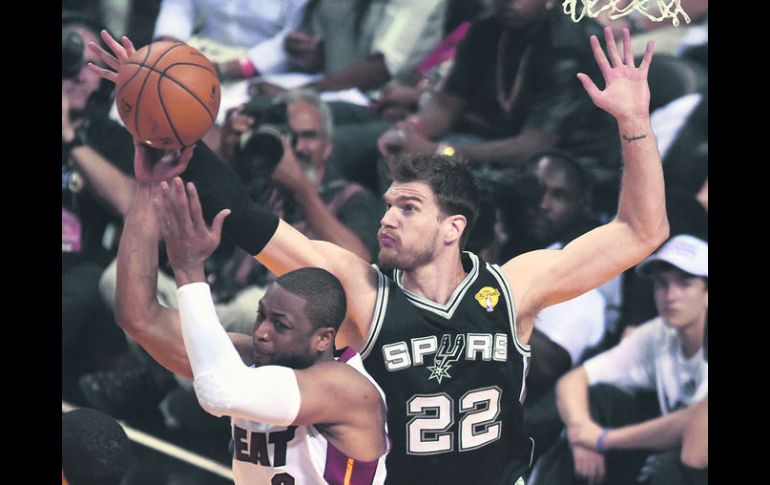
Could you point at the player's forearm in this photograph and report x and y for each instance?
(326, 225)
(663, 433)
(104, 179)
(369, 74)
(642, 202)
(572, 397)
(137, 271)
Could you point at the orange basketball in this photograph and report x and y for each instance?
(167, 94)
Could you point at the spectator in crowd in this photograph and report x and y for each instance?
(244, 39)
(381, 40)
(512, 92)
(611, 433)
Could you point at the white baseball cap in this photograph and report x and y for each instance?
(685, 252)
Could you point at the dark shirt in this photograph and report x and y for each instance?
(114, 143)
(551, 98)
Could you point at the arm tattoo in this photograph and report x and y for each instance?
(629, 139)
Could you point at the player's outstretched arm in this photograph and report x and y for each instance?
(155, 327)
(542, 278)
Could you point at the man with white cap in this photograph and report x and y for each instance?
(612, 433)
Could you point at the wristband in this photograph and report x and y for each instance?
(248, 69)
(600, 440)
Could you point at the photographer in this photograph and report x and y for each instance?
(303, 188)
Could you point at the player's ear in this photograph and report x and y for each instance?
(323, 338)
(455, 225)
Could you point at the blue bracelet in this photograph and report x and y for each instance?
(600, 440)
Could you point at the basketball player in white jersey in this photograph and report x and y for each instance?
(299, 416)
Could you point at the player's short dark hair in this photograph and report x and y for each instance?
(451, 179)
(326, 302)
(95, 449)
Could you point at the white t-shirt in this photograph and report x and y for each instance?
(266, 454)
(651, 358)
(580, 323)
(575, 324)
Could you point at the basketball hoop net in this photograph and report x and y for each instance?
(667, 9)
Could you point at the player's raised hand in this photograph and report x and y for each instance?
(120, 54)
(626, 93)
(189, 241)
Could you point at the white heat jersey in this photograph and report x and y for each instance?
(299, 455)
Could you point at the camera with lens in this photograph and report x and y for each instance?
(72, 47)
(262, 149)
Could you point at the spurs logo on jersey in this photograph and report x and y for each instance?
(444, 357)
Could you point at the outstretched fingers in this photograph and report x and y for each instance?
(628, 51)
(102, 72)
(612, 48)
(589, 86)
(645, 65)
(118, 50)
(196, 211)
(181, 205)
(196, 214)
(104, 56)
(128, 46)
(164, 208)
(601, 59)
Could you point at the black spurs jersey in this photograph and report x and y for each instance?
(453, 377)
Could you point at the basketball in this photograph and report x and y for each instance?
(167, 95)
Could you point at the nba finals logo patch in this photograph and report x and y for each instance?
(488, 297)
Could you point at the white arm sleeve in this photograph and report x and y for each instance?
(223, 383)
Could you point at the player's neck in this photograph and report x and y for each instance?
(438, 279)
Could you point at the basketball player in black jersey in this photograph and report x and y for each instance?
(444, 333)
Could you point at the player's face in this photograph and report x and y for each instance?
(410, 227)
(312, 147)
(681, 299)
(80, 88)
(521, 13)
(558, 208)
(283, 334)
